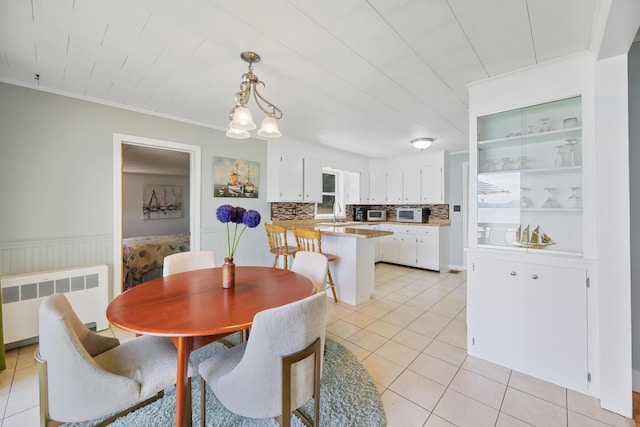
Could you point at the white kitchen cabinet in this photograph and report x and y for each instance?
(297, 179)
(428, 248)
(530, 317)
(365, 186)
(411, 186)
(406, 249)
(312, 180)
(394, 187)
(390, 249)
(291, 180)
(432, 184)
(351, 187)
(377, 187)
(419, 246)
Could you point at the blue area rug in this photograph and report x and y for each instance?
(348, 397)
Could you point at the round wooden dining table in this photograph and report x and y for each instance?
(193, 309)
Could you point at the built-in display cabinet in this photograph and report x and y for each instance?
(530, 177)
(529, 284)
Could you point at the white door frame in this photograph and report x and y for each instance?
(195, 179)
(465, 212)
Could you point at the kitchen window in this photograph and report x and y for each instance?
(332, 197)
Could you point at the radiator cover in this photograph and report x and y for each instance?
(85, 287)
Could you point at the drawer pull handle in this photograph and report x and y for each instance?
(534, 276)
(513, 273)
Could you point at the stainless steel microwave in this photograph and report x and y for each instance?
(376, 215)
(412, 214)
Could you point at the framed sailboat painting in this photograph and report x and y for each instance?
(161, 201)
(235, 178)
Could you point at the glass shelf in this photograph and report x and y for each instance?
(535, 171)
(533, 138)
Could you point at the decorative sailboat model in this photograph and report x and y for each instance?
(536, 239)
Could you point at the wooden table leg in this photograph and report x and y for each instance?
(183, 414)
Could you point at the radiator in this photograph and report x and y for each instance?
(86, 288)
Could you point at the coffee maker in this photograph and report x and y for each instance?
(359, 214)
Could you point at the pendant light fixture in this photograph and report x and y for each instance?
(240, 118)
(422, 143)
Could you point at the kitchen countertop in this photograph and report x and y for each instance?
(348, 228)
(360, 233)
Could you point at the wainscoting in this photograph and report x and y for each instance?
(41, 255)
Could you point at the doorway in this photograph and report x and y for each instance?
(194, 152)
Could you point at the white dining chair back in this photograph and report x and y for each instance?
(313, 265)
(84, 375)
(248, 378)
(187, 261)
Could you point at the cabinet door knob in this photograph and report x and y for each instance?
(534, 276)
(513, 273)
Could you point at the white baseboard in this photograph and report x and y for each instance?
(457, 267)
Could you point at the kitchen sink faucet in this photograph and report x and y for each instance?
(335, 219)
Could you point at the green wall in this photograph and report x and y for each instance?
(56, 171)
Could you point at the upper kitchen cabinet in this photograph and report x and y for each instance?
(394, 186)
(365, 187)
(411, 180)
(293, 178)
(377, 187)
(351, 187)
(530, 188)
(411, 185)
(433, 186)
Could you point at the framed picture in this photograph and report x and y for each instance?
(161, 201)
(235, 178)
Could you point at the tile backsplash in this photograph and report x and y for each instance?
(283, 211)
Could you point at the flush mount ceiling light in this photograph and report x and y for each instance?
(240, 116)
(422, 143)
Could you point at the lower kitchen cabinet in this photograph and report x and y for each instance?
(420, 246)
(530, 317)
(428, 248)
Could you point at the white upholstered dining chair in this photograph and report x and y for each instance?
(313, 265)
(278, 369)
(187, 261)
(84, 375)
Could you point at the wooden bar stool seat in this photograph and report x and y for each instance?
(277, 235)
(311, 240)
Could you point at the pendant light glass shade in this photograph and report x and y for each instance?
(269, 128)
(242, 119)
(237, 133)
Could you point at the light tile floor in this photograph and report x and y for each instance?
(411, 337)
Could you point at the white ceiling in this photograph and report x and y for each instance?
(147, 160)
(361, 76)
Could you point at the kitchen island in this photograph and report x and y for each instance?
(354, 271)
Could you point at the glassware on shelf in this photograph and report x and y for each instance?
(550, 203)
(559, 161)
(544, 126)
(506, 163)
(523, 164)
(489, 165)
(530, 130)
(525, 202)
(575, 201)
(572, 155)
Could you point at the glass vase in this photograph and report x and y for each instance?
(228, 274)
